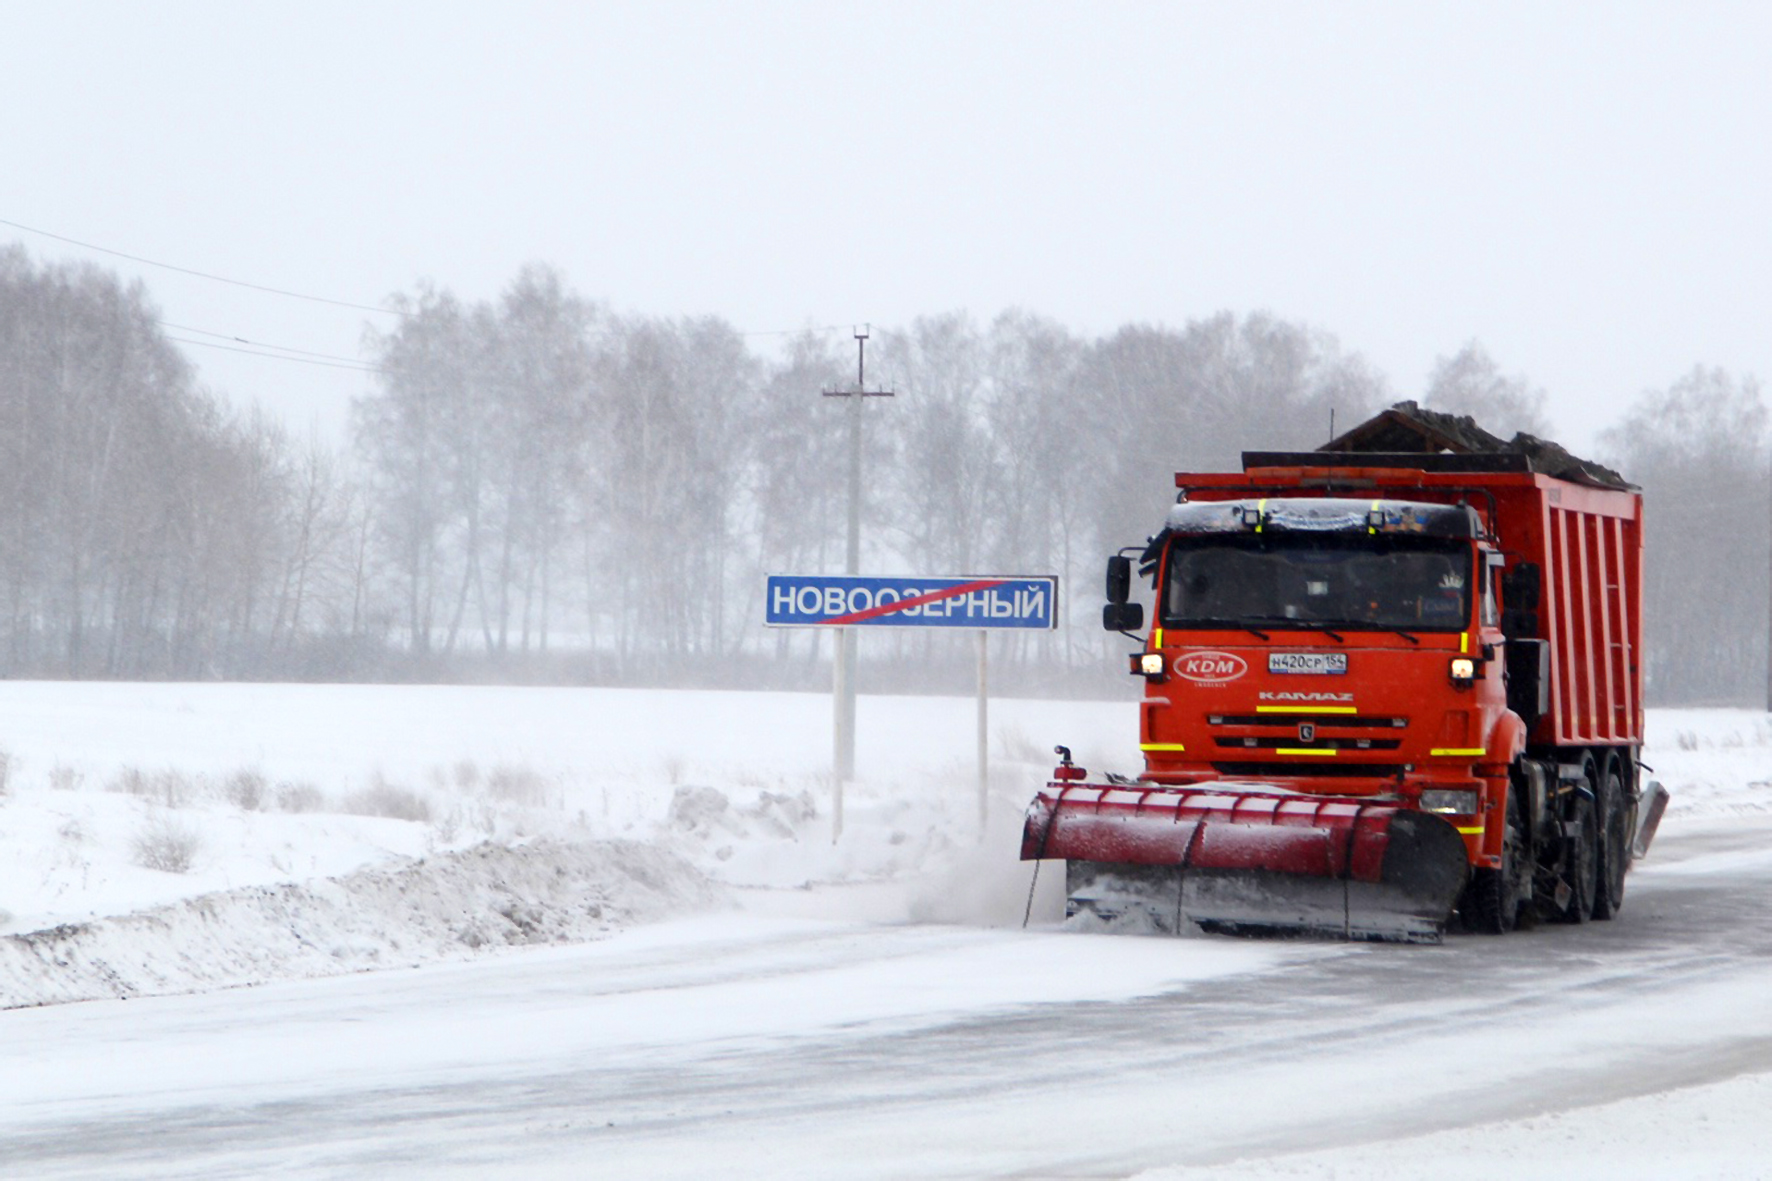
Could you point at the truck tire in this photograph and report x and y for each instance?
(1581, 853)
(1491, 903)
(1614, 843)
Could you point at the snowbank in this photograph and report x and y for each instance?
(205, 812)
(445, 907)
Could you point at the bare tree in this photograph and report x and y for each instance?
(421, 440)
(943, 459)
(1698, 448)
(128, 532)
(795, 457)
(1032, 416)
(542, 409)
(1470, 382)
(1164, 400)
(668, 465)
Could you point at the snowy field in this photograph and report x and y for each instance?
(249, 785)
(647, 880)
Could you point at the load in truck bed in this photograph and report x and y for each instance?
(1250, 857)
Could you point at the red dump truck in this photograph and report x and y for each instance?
(1387, 683)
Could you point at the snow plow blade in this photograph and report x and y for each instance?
(1248, 860)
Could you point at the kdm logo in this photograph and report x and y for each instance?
(1210, 667)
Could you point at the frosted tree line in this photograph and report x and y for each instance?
(146, 530)
(548, 477)
(539, 488)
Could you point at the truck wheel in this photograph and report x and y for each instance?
(1581, 860)
(1614, 844)
(1492, 900)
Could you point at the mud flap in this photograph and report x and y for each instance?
(1649, 810)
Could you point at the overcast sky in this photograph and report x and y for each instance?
(1585, 188)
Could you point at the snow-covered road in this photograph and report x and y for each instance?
(864, 1008)
(753, 1044)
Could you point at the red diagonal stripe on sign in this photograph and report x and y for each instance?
(952, 592)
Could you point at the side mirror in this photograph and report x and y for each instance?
(1122, 617)
(1523, 586)
(1119, 578)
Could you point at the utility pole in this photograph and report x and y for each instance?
(843, 667)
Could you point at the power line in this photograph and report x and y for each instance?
(797, 331)
(342, 303)
(255, 348)
(240, 344)
(320, 358)
(210, 344)
(259, 344)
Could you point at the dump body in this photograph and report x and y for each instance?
(1589, 543)
(1364, 637)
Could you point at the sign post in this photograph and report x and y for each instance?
(984, 603)
(984, 745)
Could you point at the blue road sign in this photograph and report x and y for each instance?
(841, 600)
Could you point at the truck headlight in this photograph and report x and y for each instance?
(1458, 803)
(1152, 665)
(1464, 670)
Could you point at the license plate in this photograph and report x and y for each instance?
(1320, 663)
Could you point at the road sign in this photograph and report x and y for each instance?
(978, 602)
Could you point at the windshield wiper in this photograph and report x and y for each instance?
(1301, 624)
(1248, 622)
(1228, 624)
(1326, 629)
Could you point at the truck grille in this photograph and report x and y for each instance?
(1291, 721)
(1324, 770)
(1293, 743)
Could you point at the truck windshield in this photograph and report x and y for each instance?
(1355, 582)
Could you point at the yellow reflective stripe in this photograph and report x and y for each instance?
(1370, 528)
(1157, 639)
(1305, 750)
(1464, 642)
(1472, 832)
(1457, 752)
(1306, 709)
(1161, 746)
(1260, 512)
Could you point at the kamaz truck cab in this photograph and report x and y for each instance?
(1333, 641)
